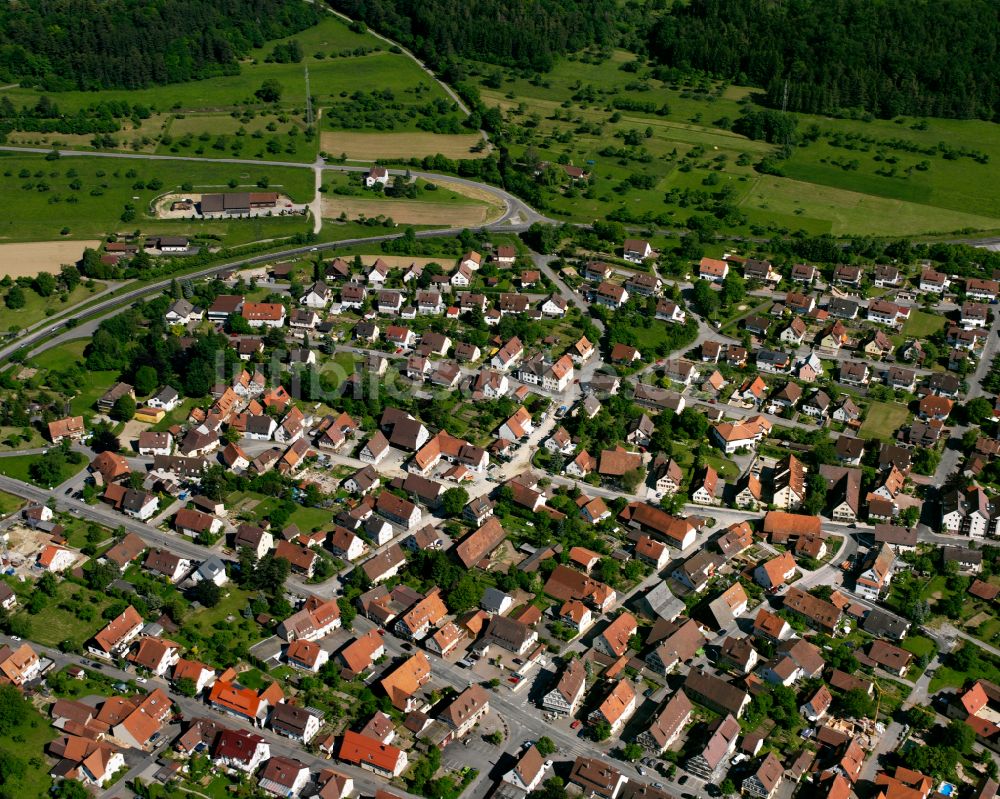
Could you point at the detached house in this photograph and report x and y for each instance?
(610, 295)
(636, 250)
(933, 282)
(713, 269)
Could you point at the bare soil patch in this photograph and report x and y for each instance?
(29, 258)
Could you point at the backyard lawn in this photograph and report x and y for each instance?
(919, 645)
(883, 419)
(922, 324)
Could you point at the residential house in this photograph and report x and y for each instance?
(713, 269)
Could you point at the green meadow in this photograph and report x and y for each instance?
(88, 196)
(222, 117)
(879, 177)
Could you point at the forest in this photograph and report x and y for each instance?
(519, 33)
(60, 45)
(888, 57)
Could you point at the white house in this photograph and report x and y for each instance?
(377, 174)
(636, 250)
(182, 312)
(318, 295)
(240, 750)
(165, 399)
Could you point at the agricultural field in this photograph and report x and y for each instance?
(224, 116)
(354, 146)
(417, 212)
(27, 260)
(646, 141)
(82, 197)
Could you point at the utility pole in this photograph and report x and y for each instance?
(309, 102)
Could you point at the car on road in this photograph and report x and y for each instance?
(15, 638)
(406, 647)
(682, 780)
(141, 680)
(575, 724)
(641, 770)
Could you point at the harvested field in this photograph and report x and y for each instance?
(27, 260)
(372, 146)
(411, 212)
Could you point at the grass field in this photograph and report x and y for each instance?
(58, 622)
(189, 118)
(99, 382)
(17, 467)
(839, 211)
(883, 419)
(304, 518)
(372, 146)
(87, 196)
(60, 357)
(26, 742)
(681, 141)
(922, 324)
(9, 503)
(919, 645)
(37, 307)
(16, 435)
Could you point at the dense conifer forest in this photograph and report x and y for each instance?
(102, 44)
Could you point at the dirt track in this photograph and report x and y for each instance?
(30, 258)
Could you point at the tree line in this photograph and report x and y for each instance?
(61, 45)
(889, 57)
